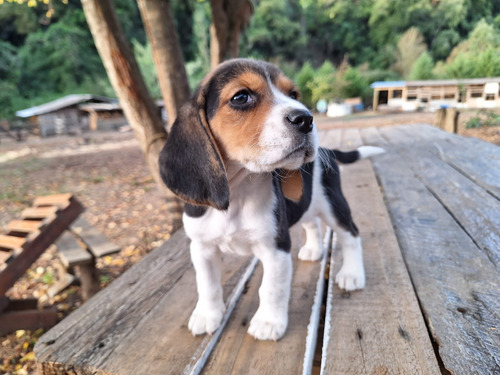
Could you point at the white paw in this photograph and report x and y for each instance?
(206, 320)
(269, 327)
(310, 254)
(350, 279)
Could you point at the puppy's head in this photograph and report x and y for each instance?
(245, 111)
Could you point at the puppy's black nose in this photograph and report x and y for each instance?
(302, 119)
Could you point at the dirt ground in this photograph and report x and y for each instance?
(107, 173)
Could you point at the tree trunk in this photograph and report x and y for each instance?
(167, 54)
(229, 19)
(125, 77)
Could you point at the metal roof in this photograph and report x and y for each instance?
(388, 84)
(65, 101)
(438, 82)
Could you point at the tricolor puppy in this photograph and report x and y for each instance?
(243, 153)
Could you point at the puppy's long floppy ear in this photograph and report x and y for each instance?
(291, 184)
(190, 163)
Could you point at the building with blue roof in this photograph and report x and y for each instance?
(434, 94)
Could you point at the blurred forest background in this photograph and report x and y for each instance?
(333, 48)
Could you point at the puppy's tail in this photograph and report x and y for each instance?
(362, 152)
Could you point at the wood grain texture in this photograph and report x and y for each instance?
(380, 329)
(138, 324)
(97, 244)
(455, 278)
(33, 249)
(71, 252)
(38, 212)
(239, 353)
(24, 226)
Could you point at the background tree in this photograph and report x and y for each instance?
(229, 19)
(167, 54)
(410, 46)
(422, 68)
(124, 75)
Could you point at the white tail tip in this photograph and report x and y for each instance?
(368, 151)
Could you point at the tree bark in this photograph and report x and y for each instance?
(229, 19)
(167, 54)
(125, 77)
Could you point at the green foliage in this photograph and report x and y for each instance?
(276, 29)
(16, 22)
(57, 59)
(144, 57)
(422, 68)
(483, 118)
(443, 43)
(477, 56)
(363, 41)
(323, 84)
(303, 81)
(410, 46)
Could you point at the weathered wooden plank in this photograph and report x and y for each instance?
(11, 242)
(59, 200)
(27, 319)
(18, 265)
(72, 253)
(114, 332)
(480, 162)
(24, 226)
(380, 329)
(456, 282)
(330, 138)
(39, 212)
(371, 136)
(242, 354)
(4, 256)
(351, 139)
(96, 242)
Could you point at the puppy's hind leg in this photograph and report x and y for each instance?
(207, 315)
(352, 273)
(313, 248)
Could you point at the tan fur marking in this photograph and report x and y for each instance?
(286, 86)
(291, 185)
(237, 132)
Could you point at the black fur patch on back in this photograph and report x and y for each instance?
(331, 183)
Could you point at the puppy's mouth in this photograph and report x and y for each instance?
(301, 154)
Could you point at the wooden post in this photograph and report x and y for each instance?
(375, 99)
(439, 118)
(451, 120)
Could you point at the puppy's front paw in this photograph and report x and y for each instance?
(206, 320)
(350, 278)
(310, 254)
(268, 327)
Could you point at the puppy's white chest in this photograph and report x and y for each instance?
(249, 219)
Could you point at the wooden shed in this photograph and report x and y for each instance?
(433, 94)
(63, 115)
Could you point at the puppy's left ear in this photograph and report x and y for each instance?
(190, 162)
(291, 184)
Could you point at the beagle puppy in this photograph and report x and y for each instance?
(243, 154)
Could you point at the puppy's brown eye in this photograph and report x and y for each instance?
(294, 95)
(241, 97)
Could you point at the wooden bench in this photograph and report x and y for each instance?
(22, 244)
(79, 248)
(428, 212)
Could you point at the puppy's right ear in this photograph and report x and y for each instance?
(190, 163)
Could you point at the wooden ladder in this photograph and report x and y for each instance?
(24, 241)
